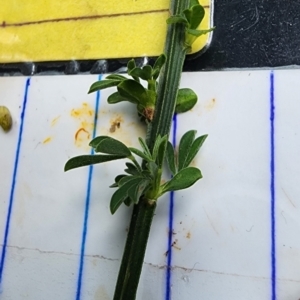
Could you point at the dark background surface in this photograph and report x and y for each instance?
(252, 34)
(249, 34)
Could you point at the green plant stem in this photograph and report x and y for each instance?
(135, 249)
(169, 81)
(136, 243)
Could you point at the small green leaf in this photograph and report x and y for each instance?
(170, 157)
(144, 146)
(137, 189)
(87, 160)
(116, 77)
(177, 19)
(131, 65)
(195, 149)
(131, 169)
(103, 84)
(191, 36)
(133, 91)
(117, 179)
(116, 98)
(159, 63)
(119, 196)
(113, 146)
(161, 152)
(182, 180)
(194, 15)
(145, 73)
(126, 179)
(153, 168)
(197, 33)
(155, 74)
(156, 147)
(185, 145)
(140, 154)
(137, 72)
(186, 100)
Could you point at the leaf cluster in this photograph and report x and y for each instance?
(131, 89)
(191, 18)
(145, 180)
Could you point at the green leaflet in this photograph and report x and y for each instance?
(116, 77)
(153, 169)
(195, 149)
(103, 84)
(131, 169)
(140, 154)
(159, 63)
(116, 98)
(186, 100)
(130, 66)
(197, 33)
(145, 73)
(133, 91)
(161, 151)
(110, 145)
(184, 148)
(131, 188)
(117, 179)
(87, 160)
(194, 15)
(137, 189)
(182, 180)
(96, 141)
(177, 19)
(144, 146)
(170, 157)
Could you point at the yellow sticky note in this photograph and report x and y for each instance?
(54, 30)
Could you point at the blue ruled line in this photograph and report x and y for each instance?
(87, 205)
(171, 217)
(272, 187)
(14, 178)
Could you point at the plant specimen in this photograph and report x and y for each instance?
(141, 184)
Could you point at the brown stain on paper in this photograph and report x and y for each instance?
(115, 123)
(85, 116)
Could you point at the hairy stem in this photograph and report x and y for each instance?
(135, 248)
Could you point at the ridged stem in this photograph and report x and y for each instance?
(143, 212)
